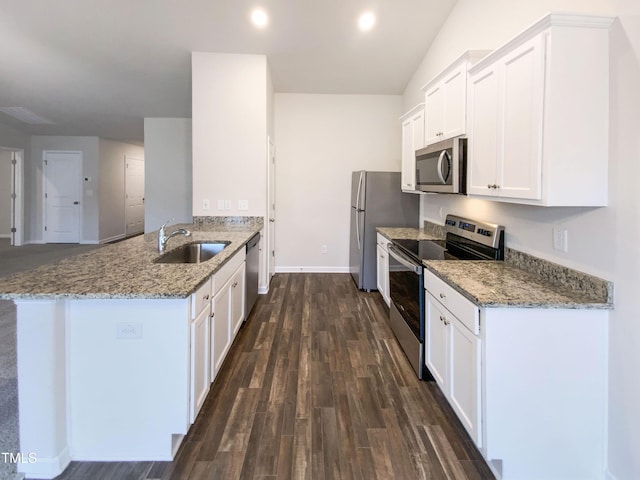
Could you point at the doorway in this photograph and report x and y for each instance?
(62, 182)
(134, 195)
(271, 226)
(11, 196)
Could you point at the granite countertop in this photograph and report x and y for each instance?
(491, 284)
(408, 233)
(125, 270)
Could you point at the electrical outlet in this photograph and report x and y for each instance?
(220, 204)
(205, 204)
(561, 239)
(129, 330)
(324, 249)
(227, 204)
(243, 204)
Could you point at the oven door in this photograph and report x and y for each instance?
(405, 285)
(406, 313)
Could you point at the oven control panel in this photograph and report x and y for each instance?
(488, 234)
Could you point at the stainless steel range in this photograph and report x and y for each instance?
(466, 239)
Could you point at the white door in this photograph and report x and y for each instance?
(62, 195)
(271, 228)
(6, 190)
(134, 195)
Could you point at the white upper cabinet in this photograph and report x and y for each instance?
(538, 115)
(412, 140)
(446, 100)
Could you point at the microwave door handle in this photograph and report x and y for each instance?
(443, 154)
(393, 251)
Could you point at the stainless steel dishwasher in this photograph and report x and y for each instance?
(251, 278)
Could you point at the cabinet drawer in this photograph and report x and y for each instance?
(467, 312)
(223, 275)
(200, 299)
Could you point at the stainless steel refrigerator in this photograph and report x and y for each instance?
(376, 201)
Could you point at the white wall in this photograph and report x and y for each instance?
(320, 140)
(6, 188)
(103, 196)
(111, 187)
(602, 241)
(167, 170)
(90, 161)
(229, 111)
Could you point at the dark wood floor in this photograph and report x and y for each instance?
(315, 387)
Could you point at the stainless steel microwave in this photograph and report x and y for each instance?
(442, 167)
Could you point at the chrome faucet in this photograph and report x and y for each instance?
(163, 238)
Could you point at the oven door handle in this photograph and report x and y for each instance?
(404, 260)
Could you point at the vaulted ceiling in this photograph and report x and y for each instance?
(100, 67)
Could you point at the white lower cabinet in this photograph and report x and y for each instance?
(227, 311)
(528, 384)
(382, 266)
(453, 358)
(220, 331)
(199, 348)
(236, 292)
(199, 362)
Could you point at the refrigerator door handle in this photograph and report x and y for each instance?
(358, 228)
(359, 189)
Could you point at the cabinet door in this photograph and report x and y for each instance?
(520, 170)
(454, 91)
(482, 153)
(436, 341)
(220, 329)
(382, 264)
(237, 300)
(199, 362)
(434, 114)
(464, 380)
(412, 140)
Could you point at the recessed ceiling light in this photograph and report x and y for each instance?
(259, 18)
(366, 21)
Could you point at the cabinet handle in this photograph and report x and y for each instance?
(235, 284)
(206, 297)
(442, 318)
(212, 314)
(442, 295)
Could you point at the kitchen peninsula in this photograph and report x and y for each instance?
(116, 353)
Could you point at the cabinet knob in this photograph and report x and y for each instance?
(442, 318)
(442, 295)
(206, 297)
(235, 284)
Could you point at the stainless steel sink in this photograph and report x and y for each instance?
(196, 252)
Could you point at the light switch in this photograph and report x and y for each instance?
(227, 204)
(243, 204)
(220, 204)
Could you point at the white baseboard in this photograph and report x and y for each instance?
(34, 242)
(317, 269)
(263, 290)
(5, 235)
(46, 467)
(89, 242)
(112, 239)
